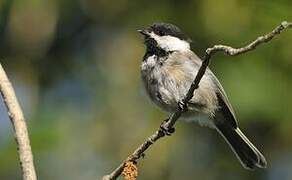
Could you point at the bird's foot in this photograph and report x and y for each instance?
(165, 129)
(182, 106)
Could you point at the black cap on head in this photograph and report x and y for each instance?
(164, 29)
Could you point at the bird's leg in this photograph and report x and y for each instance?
(166, 130)
(182, 106)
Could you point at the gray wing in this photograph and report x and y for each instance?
(225, 109)
(224, 104)
(245, 151)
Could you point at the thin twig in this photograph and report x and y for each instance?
(19, 126)
(139, 152)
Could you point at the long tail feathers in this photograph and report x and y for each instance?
(246, 152)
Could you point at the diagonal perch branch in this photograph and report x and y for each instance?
(139, 152)
(19, 126)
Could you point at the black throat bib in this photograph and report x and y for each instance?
(153, 49)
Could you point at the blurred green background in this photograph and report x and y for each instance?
(75, 65)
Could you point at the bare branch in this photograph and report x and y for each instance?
(19, 126)
(139, 152)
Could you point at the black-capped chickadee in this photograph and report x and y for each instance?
(169, 67)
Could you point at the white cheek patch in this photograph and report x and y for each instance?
(170, 43)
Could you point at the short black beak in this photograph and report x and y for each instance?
(143, 32)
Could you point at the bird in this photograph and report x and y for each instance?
(168, 69)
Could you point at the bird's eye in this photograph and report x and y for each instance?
(161, 33)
